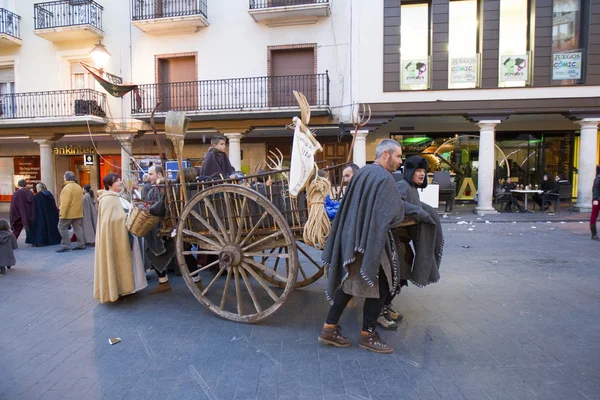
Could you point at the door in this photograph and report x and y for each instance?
(292, 70)
(8, 102)
(178, 86)
(334, 153)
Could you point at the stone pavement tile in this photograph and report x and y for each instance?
(53, 395)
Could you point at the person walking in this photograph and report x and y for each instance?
(90, 216)
(113, 269)
(361, 253)
(44, 229)
(8, 243)
(71, 213)
(21, 209)
(595, 204)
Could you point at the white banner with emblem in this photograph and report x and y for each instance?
(303, 160)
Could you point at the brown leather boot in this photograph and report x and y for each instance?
(162, 287)
(332, 334)
(371, 341)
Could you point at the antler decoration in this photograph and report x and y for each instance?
(277, 163)
(359, 119)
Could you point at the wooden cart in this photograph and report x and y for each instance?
(250, 230)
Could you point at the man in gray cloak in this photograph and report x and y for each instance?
(361, 253)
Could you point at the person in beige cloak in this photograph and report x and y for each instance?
(90, 216)
(113, 270)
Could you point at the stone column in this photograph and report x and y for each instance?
(47, 167)
(588, 145)
(485, 173)
(359, 153)
(235, 150)
(126, 140)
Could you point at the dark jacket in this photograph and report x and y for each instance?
(216, 163)
(549, 185)
(8, 243)
(21, 207)
(596, 187)
(44, 231)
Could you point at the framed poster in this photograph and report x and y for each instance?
(514, 68)
(567, 65)
(464, 70)
(6, 178)
(415, 73)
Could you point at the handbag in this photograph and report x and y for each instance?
(159, 209)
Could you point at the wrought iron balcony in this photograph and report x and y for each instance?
(257, 4)
(10, 24)
(68, 20)
(58, 103)
(288, 12)
(247, 95)
(169, 16)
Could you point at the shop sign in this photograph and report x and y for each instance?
(414, 72)
(73, 150)
(463, 70)
(27, 168)
(566, 66)
(88, 159)
(514, 68)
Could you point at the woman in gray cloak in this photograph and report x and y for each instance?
(90, 215)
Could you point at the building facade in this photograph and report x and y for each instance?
(487, 87)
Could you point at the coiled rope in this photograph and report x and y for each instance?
(318, 226)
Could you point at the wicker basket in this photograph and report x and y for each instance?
(140, 222)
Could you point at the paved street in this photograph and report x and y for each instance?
(516, 316)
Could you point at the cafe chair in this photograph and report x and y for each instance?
(564, 194)
(504, 198)
(447, 189)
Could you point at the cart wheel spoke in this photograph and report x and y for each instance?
(208, 226)
(266, 240)
(257, 306)
(213, 281)
(265, 255)
(215, 215)
(264, 269)
(195, 252)
(254, 228)
(225, 289)
(211, 244)
(302, 270)
(238, 236)
(238, 292)
(260, 281)
(230, 218)
(207, 266)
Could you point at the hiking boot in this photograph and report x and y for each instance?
(386, 322)
(332, 334)
(393, 313)
(162, 287)
(371, 341)
(594, 232)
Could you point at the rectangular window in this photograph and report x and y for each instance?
(7, 87)
(514, 55)
(414, 46)
(463, 62)
(567, 47)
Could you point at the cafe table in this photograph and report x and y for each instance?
(526, 193)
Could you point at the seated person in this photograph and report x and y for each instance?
(507, 186)
(548, 186)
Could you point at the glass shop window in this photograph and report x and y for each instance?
(463, 60)
(567, 49)
(514, 55)
(414, 46)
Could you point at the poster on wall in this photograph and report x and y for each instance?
(566, 66)
(27, 168)
(514, 68)
(6, 178)
(464, 70)
(415, 72)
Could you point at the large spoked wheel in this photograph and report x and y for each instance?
(309, 267)
(239, 231)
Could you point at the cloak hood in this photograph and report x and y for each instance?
(5, 236)
(47, 193)
(411, 164)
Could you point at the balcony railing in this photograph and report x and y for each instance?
(258, 4)
(10, 24)
(238, 94)
(152, 9)
(59, 103)
(58, 14)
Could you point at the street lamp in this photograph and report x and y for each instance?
(100, 55)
